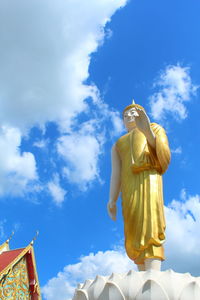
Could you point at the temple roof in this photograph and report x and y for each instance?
(9, 258)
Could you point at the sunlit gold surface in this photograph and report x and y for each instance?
(142, 195)
(15, 284)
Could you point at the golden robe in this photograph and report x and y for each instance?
(142, 195)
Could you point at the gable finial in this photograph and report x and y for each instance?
(35, 237)
(10, 237)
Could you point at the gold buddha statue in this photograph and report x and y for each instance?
(139, 158)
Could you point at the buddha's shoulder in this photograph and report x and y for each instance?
(123, 137)
(123, 140)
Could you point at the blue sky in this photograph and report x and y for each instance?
(68, 68)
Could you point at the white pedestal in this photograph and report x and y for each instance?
(147, 285)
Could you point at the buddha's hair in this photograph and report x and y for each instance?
(132, 106)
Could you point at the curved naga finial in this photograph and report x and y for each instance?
(35, 237)
(10, 237)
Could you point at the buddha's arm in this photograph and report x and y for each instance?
(162, 146)
(115, 183)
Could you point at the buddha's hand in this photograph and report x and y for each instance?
(112, 209)
(142, 121)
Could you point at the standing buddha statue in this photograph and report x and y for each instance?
(139, 158)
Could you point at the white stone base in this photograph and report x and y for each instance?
(147, 285)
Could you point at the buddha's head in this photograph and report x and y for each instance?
(129, 114)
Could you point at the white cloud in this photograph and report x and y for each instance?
(175, 87)
(17, 169)
(81, 151)
(41, 143)
(44, 57)
(117, 123)
(177, 150)
(2, 232)
(57, 192)
(81, 148)
(183, 195)
(63, 285)
(183, 243)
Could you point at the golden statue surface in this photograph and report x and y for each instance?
(139, 158)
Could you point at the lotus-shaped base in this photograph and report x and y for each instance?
(148, 285)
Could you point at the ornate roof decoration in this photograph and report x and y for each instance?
(18, 275)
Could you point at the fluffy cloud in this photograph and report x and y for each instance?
(44, 57)
(81, 150)
(182, 252)
(56, 191)
(118, 126)
(175, 87)
(2, 233)
(178, 150)
(42, 144)
(102, 263)
(82, 147)
(183, 243)
(17, 170)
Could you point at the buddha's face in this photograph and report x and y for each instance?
(129, 118)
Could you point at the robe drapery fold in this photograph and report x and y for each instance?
(142, 193)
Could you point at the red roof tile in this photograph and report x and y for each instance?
(8, 257)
